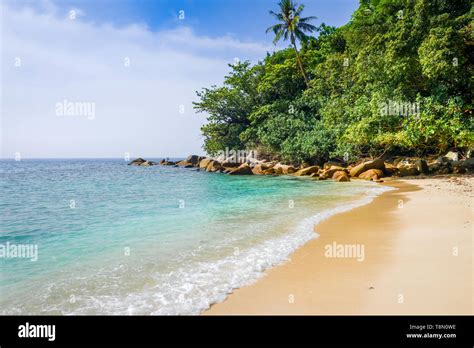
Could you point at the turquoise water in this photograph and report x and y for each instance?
(118, 239)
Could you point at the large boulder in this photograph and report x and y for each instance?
(442, 165)
(284, 169)
(243, 169)
(341, 176)
(164, 162)
(390, 169)
(365, 166)
(230, 164)
(204, 163)
(146, 164)
(330, 164)
(213, 166)
(467, 164)
(193, 159)
(307, 171)
(185, 164)
(371, 174)
(329, 172)
(137, 162)
(269, 171)
(407, 170)
(422, 166)
(453, 156)
(458, 169)
(259, 169)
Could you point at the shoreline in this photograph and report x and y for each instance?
(409, 266)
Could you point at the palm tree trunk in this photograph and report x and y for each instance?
(300, 64)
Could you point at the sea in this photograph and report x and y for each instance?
(115, 239)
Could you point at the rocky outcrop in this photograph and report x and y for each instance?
(330, 164)
(193, 159)
(467, 164)
(213, 166)
(164, 162)
(229, 164)
(442, 165)
(390, 169)
(243, 169)
(307, 171)
(137, 162)
(204, 163)
(341, 176)
(407, 170)
(372, 174)
(365, 166)
(284, 169)
(452, 156)
(329, 171)
(259, 169)
(422, 166)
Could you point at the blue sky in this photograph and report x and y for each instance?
(143, 107)
(246, 19)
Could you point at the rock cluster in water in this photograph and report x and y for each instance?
(373, 170)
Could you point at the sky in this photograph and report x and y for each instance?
(115, 78)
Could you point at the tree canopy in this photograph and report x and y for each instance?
(397, 79)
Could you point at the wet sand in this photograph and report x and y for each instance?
(417, 242)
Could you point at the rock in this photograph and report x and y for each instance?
(457, 169)
(329, 172)
(260, 168)
(243, 169)
(390, 169)
(137, 162)
(371, 174)
(318, 177)
(184, 163)
(467, 164)
(193, 159)
(269, 171)
(422, 166)
(167, 163)
(204, 163)
(146, 164)
(213, 166)
(341, 176)
(453, 156)
(307, 171)
(363, 167)
(441, 166)
(407, 170)
(284, 169)
(231, 164)
(330, 164)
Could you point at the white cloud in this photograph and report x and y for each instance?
(137, 107)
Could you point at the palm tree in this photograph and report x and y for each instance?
(292, 27)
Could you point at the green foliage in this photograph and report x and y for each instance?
(392, 51)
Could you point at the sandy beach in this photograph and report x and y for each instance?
(417, 245)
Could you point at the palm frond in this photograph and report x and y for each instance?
(306, 19)
(299, 9)
(307, 27)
